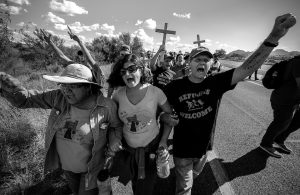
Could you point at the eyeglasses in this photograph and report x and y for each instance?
(70, 86)
(130, 69)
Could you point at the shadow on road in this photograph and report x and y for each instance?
(250, 163)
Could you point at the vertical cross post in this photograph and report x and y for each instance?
(199, 41)
(165, 31)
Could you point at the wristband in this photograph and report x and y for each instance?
(269, 44)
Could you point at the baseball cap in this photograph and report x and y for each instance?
(73, 73)
(200, 50)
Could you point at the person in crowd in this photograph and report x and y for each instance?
(215, 66)
(138, 102)
(149, 55)
(285, 102)
(82, 123)
(124, 50)
(161, 68)
(198, 98)
(83, 56)
(179, 67)
(255, 75)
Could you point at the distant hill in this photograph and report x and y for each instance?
(240, 53)
(277, 52)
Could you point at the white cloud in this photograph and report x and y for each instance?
(109, 29)
(67, 7)
(28, 24)
(25, 10)
(174, 39)
(150, 23)
(21, 24)
(50, 17)
(62, 27)
(187, 15)
(138, 22)
(77, 27)
(11, 9)
(146, 39)
(32, 24)
(20, 2)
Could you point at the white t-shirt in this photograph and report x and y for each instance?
(74, 141)
(140, 124)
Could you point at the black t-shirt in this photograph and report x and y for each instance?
(196, 105)
(161, 77)
(288, 94)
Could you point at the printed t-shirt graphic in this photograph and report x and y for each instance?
(140, 124)
(74, 140)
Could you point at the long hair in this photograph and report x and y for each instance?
(115, 79)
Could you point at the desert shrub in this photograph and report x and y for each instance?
(54, 68)
(34, 76)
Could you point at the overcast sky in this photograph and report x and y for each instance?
(227, 24)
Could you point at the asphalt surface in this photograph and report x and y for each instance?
(236, 165)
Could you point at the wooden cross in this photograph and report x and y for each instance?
(134, 122)
(199, 41)
(165, 32)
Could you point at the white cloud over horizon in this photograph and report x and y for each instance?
(50, 17)
(67, 7)
(14, 10)
(77, 27)
(145, 38)
(148, 24)
(138, 22)
(20, 2)
(28, 24)
(108, 28)
(187, 15)
(174, 39)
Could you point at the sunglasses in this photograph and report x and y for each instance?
(70, 86)
(130, 69)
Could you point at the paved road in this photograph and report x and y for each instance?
(236, 165)
(244, 115)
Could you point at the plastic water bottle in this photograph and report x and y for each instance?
(162, 163)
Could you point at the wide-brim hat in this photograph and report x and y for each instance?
(200, 50)
(73, 73)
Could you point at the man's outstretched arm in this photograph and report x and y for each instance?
(98, 73)
(47, 37)
(282, 25)
(85, 51)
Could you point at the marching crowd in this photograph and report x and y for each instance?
(148, 96)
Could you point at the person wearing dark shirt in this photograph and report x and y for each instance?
(285, 102)
(195, 99)
(161, 69)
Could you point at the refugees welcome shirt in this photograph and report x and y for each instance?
(196, 105)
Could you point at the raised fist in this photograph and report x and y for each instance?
(282, 25)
